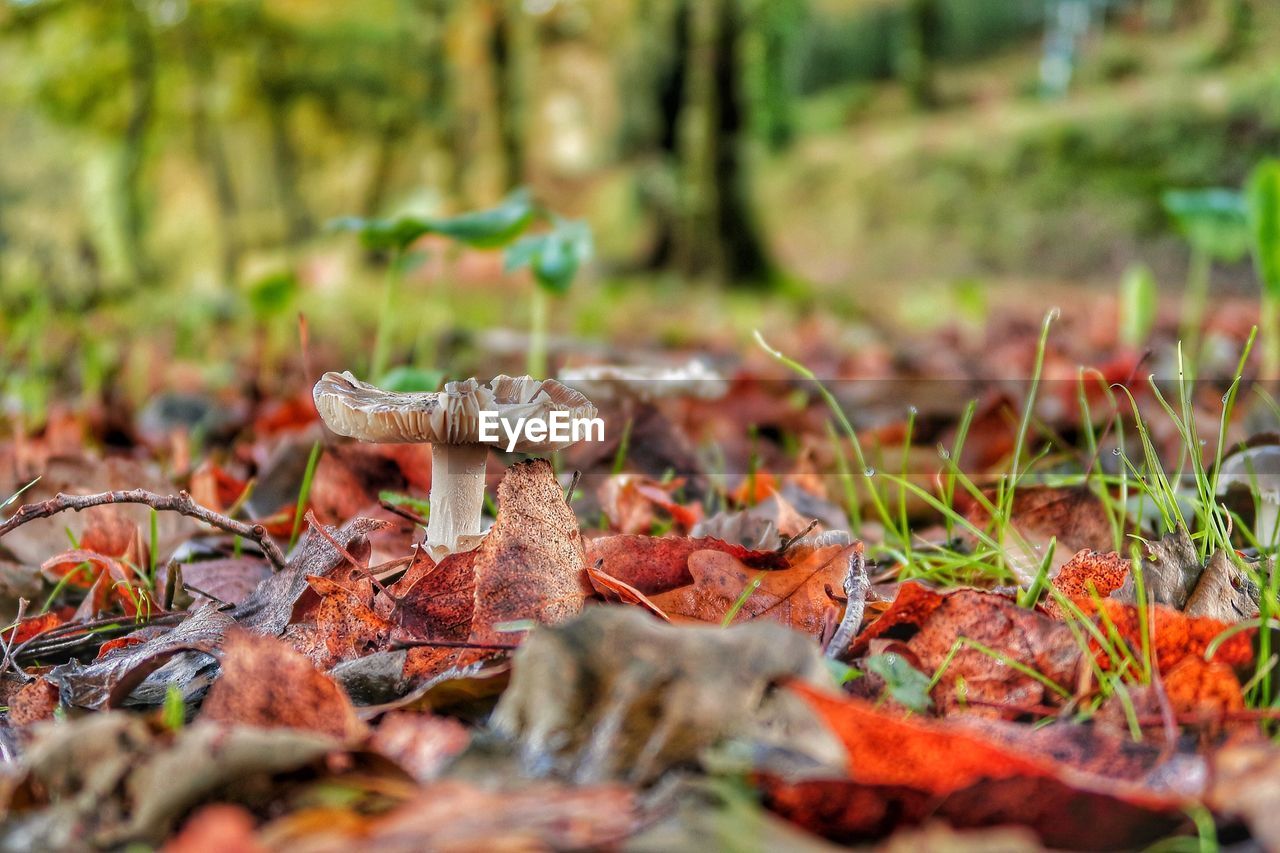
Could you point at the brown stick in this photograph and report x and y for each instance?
(179, 503)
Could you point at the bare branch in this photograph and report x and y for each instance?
(179, 503)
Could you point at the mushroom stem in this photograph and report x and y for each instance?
(1267, 525)
(457, 496)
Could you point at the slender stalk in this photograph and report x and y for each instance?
(1195, 304)
(386, 317)
(1270, 326)
(537, 358)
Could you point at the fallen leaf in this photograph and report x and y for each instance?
(1074, 516)
(422, 744)
(217, 828)
(34, 702)
(266, 683)
(108, 779)
(976, 676)
(939, 769)
(799, 596)
(531, 564)
(1246, 784)
(1085, 575)
(1173, 574)
(616, 694)
(107, 682)
(457, 816)
(271, 606)
(658, 564)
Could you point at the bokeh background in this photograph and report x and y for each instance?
(170, 169)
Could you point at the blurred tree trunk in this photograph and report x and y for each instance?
(133, 149)
(513, 47)
(1235, 27)
(208, 142)
(392, 130)
(922, 21)
(277, 101)
(719, 237)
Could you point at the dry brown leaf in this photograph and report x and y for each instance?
(422, 744)
(1011, 633)
(458, 817)
(800, 596)
(531, 564)
(266, 683)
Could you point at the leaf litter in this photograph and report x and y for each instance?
(707, 655)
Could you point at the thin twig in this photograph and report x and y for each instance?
(320, 529)
(179, 503)
(8, 646)
(453, 644)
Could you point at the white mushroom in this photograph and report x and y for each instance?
(450, 421)
(646, 383)
(1257, 469)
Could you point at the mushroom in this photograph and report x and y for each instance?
(646, 383)
(451, 421)
(1256, 470)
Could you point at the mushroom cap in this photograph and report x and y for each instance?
(359, 410)
(1256, 466)
(647, 383)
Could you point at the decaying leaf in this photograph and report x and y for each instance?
(1246, 784)
(271, 606)
(422, 744)
(531, 565)
(939, 769)
(109, 778)
(976, 635)
(1173, 574)
(455, 816)
(266, 683)
(800, 596)
(618, 694)
(109, 681)
(1086, 575)
(1075, 517)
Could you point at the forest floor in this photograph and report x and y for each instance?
(988, 583)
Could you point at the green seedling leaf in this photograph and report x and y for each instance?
(907, 685)
(395, 234)
(405, 379)
(1137, 305)
(174, 713)
(487, 229)
(273, 295)
(555, 257)
(1214, 221)
(1263, 193)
